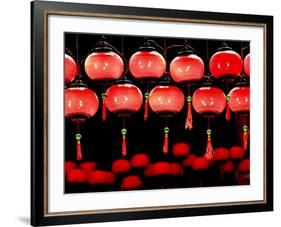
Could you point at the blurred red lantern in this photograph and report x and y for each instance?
(76, 176)
(176, 169)
(225, 62)
(166, 100)
(68, 166)
(187, 162)
(98, 177)
(149, 171)
(227, 167)
(123, 99)
(88, 166)
(236, 152)
(200, 163)
(239, 102)
(247, 65)
(110, 177)
(120, 166)
(161, 168)
(181, 149)
(104, 65)
(221, 154)
(244, 165)
(139, 160)
(131, 182)
(70, 69)
(147, 64)
(209, 101)
(186, 68)
(80, 104)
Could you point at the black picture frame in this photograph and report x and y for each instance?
(39, 110)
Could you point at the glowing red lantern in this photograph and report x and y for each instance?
(80, 104)
(180, 149)
(88, 166)
(239, 103)
(187, 68)
(70, 69)
(131, 182)
(244, 165)
(161, 168)
(247, 65)
(176, 169)
(110, 178)
(139, 161)
(200, 164)
(221, 154)
(236, 152)
(209, 101)
(187, 162)
(149, 171)
(97, 177)
(147, 64)
(225, 62)
(166, 100)
(68, 166)
(120, 166)
(123, 99)
(227, 167)
(76, 176)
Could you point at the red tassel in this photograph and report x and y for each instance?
(124, 142)
(146, 98)
(245, 137)
(78, 147)
(209, 155)
(188, 122)
(166, 140)
(103, 107)
(227, 112)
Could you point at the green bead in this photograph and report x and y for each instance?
(209, 131)
(103, 96)
(227, 97)
(78, 136)
(124, 131)
(245, 128)
(166, 130)
(188, 99)
(146, 95)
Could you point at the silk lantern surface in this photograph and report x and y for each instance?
(186, 68)
(166, 99)
(70, 69)
(208, 100)
(247, 64)
(239, 99)
(104, 66)
(224, 63)
(80, 101)
(124, 98)
(147, 65)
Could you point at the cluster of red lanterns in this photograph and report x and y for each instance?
(124, 98)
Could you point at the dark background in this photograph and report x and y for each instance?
(101, 141)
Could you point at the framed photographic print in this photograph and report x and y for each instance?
(142, 113)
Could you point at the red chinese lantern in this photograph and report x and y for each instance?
(68, 166)
(239, 103)
(176, 169)
(147, 64)
(124, 100)
(244, 165)
(200, 164)
(225, 63)
(221, 154)
(187, 68)
(166, 100)
(104, 65)
(209, 101)
(70, 69)
(161, 168)
(247, 65)
(227, 167)
(76, 176)
(88, 166)
(101, 177)
(181, 149)
(81, 103)
(139, 160)
(236, 152)
(131, 182)
(187, 162)
(120, 166)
